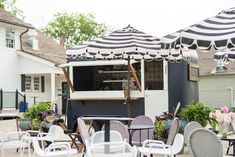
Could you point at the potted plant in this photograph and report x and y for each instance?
(197, 112)
(39, 113)
(223, 118)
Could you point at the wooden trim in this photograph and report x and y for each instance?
(137, 82)
(68, 80)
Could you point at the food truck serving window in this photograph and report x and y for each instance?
(97, 78)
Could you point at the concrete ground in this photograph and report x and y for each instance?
(10, 125)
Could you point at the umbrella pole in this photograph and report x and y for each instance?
(128, 90)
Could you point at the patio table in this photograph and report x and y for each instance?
(230, 139)
(141, 127)
(107, 124)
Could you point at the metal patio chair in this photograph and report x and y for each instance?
(141, 120)
(188, 129)
(205, 143)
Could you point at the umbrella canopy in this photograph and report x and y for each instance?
(123, 43)
(216, 33)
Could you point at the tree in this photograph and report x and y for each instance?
(72, 29)
(9, 5)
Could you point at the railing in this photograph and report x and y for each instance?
(12, 99)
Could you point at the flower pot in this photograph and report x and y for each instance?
(223, 129)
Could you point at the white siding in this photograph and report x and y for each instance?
(12, 65)
(213, 90)
(9, 65)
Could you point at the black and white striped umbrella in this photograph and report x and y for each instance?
(123, 43)
(226, 56)
(216, 33)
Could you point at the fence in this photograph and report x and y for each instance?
(12, 100)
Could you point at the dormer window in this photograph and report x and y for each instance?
(10, 38)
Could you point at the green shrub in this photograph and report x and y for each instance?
(196, 112)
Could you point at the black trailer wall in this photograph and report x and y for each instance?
(180, 88)
(77, 108)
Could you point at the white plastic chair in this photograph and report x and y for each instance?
(98, 137)
(158, 147)
(54, 149)
(105, 149)
(54, 134)
(13, 140)
(119, 127)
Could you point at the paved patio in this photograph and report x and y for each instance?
(10, 125)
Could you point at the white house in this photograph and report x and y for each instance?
(28, 62)
(217, 84)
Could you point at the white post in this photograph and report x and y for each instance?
(52, 87)
(142, 78)
(165, 75)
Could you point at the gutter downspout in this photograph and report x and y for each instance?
(231, 95)
(21, 47)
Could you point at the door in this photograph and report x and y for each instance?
(156, 102)
(65, 93)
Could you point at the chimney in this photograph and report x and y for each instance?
(33, 41)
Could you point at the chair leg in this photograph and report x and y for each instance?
(229, 144)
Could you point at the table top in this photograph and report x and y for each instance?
(140, 127)
(107, 118)
(229, 137)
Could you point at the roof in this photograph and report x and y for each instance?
(7, 17)
(207, 64)
(48, 48)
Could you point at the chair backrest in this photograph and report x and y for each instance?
(15, 140)
(204, 142)
(83, 130)
(173, 131)
(119, 127)
(98, 137)
(56, 131)
(36, 146)
(189, 128)
(178, 144)
(112, 149)
(142, 120)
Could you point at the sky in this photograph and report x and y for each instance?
(155, 17)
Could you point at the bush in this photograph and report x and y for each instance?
(196, 112)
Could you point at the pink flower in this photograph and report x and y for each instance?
(232, 115)
(224, 109)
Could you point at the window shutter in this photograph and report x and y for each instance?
(22, 83)
(42, 84)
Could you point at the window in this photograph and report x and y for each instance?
(32, 83)
(103, 78)
(154, 75)
(28, 82)
(36, 83)
(10, 38)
